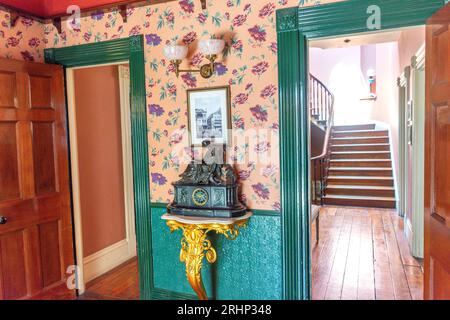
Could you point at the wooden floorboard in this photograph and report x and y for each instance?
(351, 272)
(366, 285)
(329, 237)
(363, 254)
(336, 277)
(120, 283)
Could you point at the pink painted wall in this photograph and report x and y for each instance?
(100, 164)
(410, 42)
(323, 61)
(340, 70)
(386, 107)
(368, 59)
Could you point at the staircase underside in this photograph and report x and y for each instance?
(360, 172)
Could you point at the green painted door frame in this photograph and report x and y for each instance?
(132, 50)
(295, 27)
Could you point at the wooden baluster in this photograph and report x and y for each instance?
(315, 99)
(315, 181)
(318, 99)
(311, 106)
(311, 97)
(322, 102)
(321, 168)
(321, 105)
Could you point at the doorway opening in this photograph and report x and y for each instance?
(367, 103)
(102, 179)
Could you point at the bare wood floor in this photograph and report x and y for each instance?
(120, 283)
(363, 255)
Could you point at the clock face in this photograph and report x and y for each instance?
(200, 197)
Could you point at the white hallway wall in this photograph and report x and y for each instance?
(340, 70)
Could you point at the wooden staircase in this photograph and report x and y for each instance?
(360, 170)
(321, 108)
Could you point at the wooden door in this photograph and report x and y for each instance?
(35, 220)
(437, 157)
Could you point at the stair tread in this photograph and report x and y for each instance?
(358, 152)
(334, 196)
(356, 138)
(361, 131)
(361, 177)
(339, 186)
(354, 125)
(360, 145)
(360, 168)
(360, 160)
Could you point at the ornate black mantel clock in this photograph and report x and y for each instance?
(207, 190)
(206, 200)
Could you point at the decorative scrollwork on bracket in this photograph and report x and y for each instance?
(195, 246)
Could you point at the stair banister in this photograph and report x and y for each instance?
(322, 111)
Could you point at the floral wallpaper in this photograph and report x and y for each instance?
(249, 66)
(25, 41)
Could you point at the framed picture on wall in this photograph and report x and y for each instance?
(209, 113)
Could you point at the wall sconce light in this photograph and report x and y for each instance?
(210, 48)
(371, 75)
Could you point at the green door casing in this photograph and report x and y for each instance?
(157, 247)
(295, 27)
(132, 50)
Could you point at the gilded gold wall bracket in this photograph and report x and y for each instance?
(206, 71)
(195, 244)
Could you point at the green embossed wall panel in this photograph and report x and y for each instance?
(246, 268)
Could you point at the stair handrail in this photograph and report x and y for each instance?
(321, 101)
(327, 141)
(329, 114)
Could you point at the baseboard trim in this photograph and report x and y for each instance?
(106, 259)
(163, 294)
(266, 213)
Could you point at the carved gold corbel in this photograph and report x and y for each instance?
(195, 246)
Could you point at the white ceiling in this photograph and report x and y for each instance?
(358, 40)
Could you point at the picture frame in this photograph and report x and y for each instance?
(209, 115)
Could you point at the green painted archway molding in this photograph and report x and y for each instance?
(120, 50)
(295, 27)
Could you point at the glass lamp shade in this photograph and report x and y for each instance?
(211, 46)
(371, 73)
(175, 52)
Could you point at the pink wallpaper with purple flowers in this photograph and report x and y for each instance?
(249, 66)
(25, 41)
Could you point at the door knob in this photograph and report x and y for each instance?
(3, 220)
